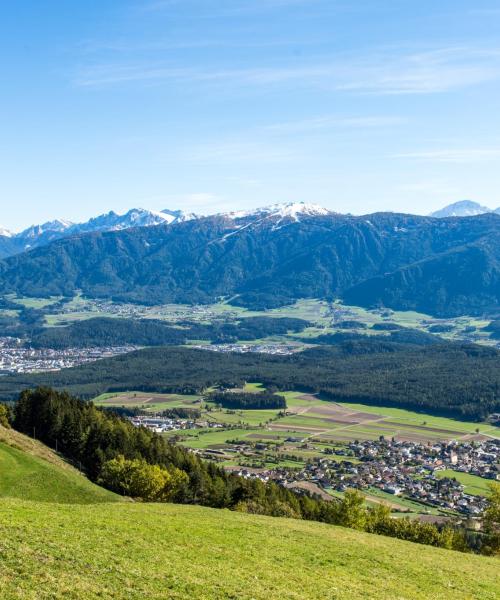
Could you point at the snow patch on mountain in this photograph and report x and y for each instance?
(5, 232)
(177, 216)
(290, 210)
(463, 208)
(55, 226)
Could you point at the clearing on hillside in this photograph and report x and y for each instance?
(31, 471)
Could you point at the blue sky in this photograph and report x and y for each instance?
(211, 105)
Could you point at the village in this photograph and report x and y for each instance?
(402, 469)
(160, 424)
(275, 348)
(18, 358)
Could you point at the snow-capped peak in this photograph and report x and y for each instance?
(57, 225)
(295, 209)
(290, 210)
(463, 208)
(177, 216)
(135, 217)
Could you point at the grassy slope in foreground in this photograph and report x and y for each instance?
(30, 470)
(137, 551)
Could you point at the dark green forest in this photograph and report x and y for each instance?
(150, 332)
(357, 370)
(247, 400)
(443, 267)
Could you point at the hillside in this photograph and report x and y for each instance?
(30, 470)
(137, 551)
(442, 267)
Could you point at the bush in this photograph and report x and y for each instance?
(4, 416)
(139, 479)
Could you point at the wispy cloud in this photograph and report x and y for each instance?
(241, 151)
(387, 73)
(327, 122)
(228, 7)
(434, 187)
(433, 71)
(454, 155)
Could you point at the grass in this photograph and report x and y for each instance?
(31, 471)
(212, 437)
(474, 485)
(37, 303)
(150, 402)
(404, 503)
(136, 551)
(402, 416)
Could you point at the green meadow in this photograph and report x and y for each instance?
(30, 470)
(477, 486)
(136, 551)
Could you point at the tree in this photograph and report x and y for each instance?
(4, 416)
(138, 479)
(351, 511)
(491, 522)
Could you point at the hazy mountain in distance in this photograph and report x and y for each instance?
(463, 208)
(40, 235)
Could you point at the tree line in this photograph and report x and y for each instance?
(105, 331)
(247, 400)
(384, 373)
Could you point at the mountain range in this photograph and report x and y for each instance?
(40, 235)
(273, 256)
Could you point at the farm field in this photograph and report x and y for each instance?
(312, 417)
(325, 317)
(399, 503)
(149, 402)
(311, 427)
(348, 421)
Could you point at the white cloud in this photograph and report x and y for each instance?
(334, 121)
(454, 155)
(230, 152)
(383, 73)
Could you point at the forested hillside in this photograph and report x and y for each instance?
(151, 332)
(438, 266)
(373, 372)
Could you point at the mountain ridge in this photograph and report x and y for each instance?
(438, 266)
(45, 233)
(12, 243)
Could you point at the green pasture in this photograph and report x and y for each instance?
(25, 476)
(474, 485)
(134, 551)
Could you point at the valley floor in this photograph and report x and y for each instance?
(137, 551)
